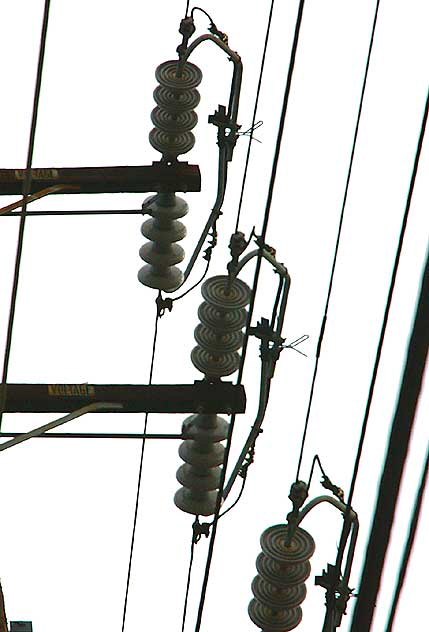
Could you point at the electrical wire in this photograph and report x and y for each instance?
(251, 305)
(383, 331)
(74, 212)
(25, 192)
(409, 545)
(139, 481)
(255, 110)
(188, 580)
(337, 244)
(196, 284)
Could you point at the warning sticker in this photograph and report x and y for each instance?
(71, 390)
(37, 174)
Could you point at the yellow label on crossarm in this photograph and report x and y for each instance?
(71, 390)
(37, 174)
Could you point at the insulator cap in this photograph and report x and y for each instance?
(270, 620)
(194, 502)
(275, 597)
(281, 574)
(205, 428)
(201, 455)
(215, 364)
(201, 481)
(220, 293)
(273, 544)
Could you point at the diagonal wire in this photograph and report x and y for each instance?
(252, 302)
(409, 545)
(139, 481)
(343, 538)
(188, 581)
(25, 191)
(255, 110)
(337, 244)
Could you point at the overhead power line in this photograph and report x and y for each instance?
(255, 110)
(337, 244)
(139, 477)
(396, 456)
(363, 612)
(25, 192)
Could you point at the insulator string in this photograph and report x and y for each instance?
(252, 302)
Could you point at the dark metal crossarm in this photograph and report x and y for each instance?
(159, 176)
(203, 397)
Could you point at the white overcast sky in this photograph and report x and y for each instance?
(67, 506)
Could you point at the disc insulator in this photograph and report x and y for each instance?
(281, 574)
(273, 543)
(161, 253)
(279, 587)
(219, 335)
(203, 455)
(173, 118)
(270, 620)
(278, 597)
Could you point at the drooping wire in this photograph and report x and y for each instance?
(251, 305)
(196, 284)
(25, 192)
(254, 125)
(207, 256)
(139, 478)
(357, 461)
(409, 544)
(337, 244)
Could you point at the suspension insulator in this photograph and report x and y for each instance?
(174, 117)
(162, 253)
(219, 334)
(203, 454)
(279, 587)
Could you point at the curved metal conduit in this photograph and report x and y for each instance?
(268, 364)
(227, 144)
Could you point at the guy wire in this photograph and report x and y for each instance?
(139, 480)
(25, 191)
(251, 305)
(337, 244)
(255, 109)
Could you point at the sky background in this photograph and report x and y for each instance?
(82, 316)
